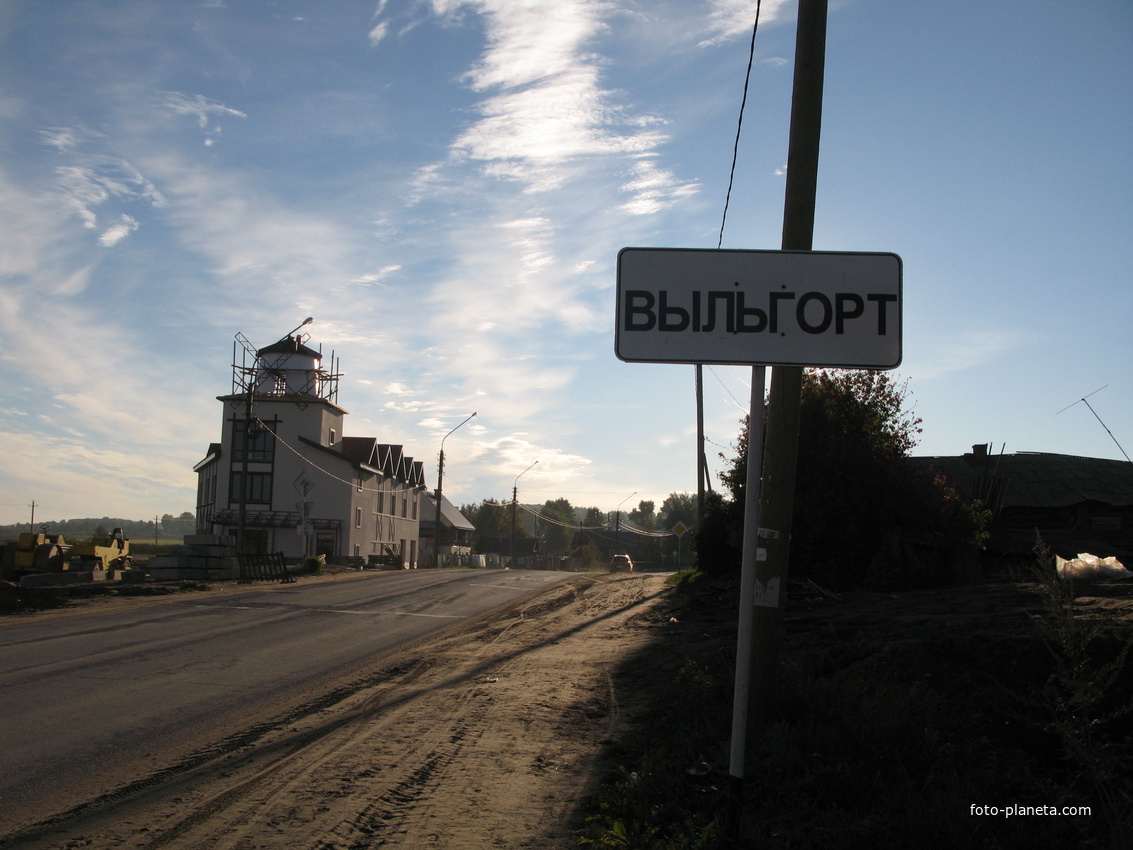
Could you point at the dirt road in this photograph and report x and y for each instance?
(486, 736)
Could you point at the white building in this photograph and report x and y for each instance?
(310, 490)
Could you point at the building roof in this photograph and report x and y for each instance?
(1037, 479)
(289, 345)
(213, 454)
(389, 459)
(450, 514)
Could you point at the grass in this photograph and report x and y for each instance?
(886, 734)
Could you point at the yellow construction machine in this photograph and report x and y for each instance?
(34, 553)
(103, 552)
(47, 553)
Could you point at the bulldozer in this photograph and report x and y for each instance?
(103, 552)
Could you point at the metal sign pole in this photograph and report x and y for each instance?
(747, 591)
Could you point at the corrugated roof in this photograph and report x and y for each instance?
(1039, 479)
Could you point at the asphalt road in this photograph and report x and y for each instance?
(90, 702)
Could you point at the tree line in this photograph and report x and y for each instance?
(168, 527)
(590, 534)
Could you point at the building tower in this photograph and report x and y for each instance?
(283, 478)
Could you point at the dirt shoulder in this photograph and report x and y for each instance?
(488, 735)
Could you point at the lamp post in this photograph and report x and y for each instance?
(514, 503)
(440, 479)
(618, 523)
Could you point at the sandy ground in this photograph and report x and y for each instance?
(486, 736)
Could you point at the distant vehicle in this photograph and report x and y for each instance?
(621, 562)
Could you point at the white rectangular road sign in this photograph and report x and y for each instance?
(769, 308)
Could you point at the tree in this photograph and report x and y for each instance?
(853, 490)
(678, 507)
(643, 516)
(490, 518)
(718, 539)
(594, 519)
(558, 523)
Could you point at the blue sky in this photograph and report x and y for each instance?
(444, 186)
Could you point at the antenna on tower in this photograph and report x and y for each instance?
(1083, 400)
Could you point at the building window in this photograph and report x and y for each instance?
(331, 443)
(357, 517)
(381, 501)
(261, 441)
(258, 491)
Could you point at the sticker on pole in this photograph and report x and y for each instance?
(764, 308)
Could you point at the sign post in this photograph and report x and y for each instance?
(672, 304)
(763, 308)
(680, 529)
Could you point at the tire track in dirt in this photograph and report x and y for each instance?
(484, 737)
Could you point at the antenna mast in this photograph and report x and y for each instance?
(1083, 400)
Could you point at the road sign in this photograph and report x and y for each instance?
(680, 529)
(766, 308)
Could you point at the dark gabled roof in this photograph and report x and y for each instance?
(387, 458)
(1038, 479)
(392, 460)
(289, 345)
(359, 449)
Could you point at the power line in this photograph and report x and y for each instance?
(739, 126)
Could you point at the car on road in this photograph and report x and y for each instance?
(621, 562)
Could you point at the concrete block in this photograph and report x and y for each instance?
(63, 578)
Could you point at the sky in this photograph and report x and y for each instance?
(444, 187)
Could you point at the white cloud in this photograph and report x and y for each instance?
(654, 189)
(378, 33)
(546, 108)
(511, 455)
(730, 18)
(205, 110)
(115, 234)
(90, 179)
(377, 277)
(937, 355)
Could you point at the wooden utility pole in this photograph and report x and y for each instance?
(777, 494)
(772, 449)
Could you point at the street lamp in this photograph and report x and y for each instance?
(618, 523)
(305, 322)
(514, 502)
(440, 479)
